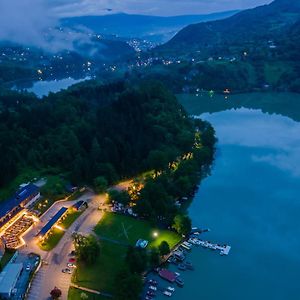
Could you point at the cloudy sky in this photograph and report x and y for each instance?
(153, 7)
(24, 21)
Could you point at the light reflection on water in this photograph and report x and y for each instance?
(245, 127)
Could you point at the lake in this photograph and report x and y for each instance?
(43, 88)
(250, 201)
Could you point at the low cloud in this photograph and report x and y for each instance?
(35, 23)
(25, 21)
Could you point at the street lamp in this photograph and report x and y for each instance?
(155, 234)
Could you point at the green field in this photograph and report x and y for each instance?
(128, 230)
(101, 275)
(117, 231)
(52, 240)
(75, 294)
(72, 215)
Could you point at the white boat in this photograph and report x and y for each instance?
(170, 289)
(166, 293)
(187, 244)
(185, 247)
(153, 288)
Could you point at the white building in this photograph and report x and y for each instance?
(8, 279)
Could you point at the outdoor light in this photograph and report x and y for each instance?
(155, 234)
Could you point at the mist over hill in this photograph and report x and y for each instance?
(153, 28)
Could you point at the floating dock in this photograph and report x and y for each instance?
(224, 250)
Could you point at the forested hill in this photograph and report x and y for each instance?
(264, 22)
(156, 29)
(91, 130)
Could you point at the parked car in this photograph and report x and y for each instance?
(67, 271)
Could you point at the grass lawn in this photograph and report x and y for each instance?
(100, 276)
(75, 294)
(128, 230)
(52, 240)
(72, 215)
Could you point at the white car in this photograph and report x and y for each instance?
(70, 265)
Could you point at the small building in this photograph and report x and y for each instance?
(80, 205)
(47, 228)
(8, 279)
(25, 196)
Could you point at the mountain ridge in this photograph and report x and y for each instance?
(155, 28)
(265, 21)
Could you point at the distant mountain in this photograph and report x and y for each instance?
(155, 29)
(262, 23)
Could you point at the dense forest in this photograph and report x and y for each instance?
(91, 130)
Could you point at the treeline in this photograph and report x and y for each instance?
(91, 130)
(159, 198)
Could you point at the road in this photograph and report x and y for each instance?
(50, 276)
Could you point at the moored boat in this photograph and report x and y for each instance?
(180, 281)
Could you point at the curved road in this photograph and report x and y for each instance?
(50, 276)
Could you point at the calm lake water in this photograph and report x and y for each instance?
(251, 201)
(43, 88)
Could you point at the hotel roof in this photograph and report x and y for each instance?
(17, 199)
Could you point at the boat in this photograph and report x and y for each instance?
(170, 289)
(167, 275)
(182, 267)
(170, 259)
(187, 244)
(177, 274)
(153, 288)
(189, 265)
(185, 247)
(166, 293)
(152, 282)
(179, 255)
(179, 281)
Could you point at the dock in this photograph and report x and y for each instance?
(224, 250)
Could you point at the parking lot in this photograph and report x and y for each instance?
(30, 263)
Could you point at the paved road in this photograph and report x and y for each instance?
(51, 275)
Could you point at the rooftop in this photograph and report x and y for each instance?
(50, 224)
(17, 199)
(8, 277)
